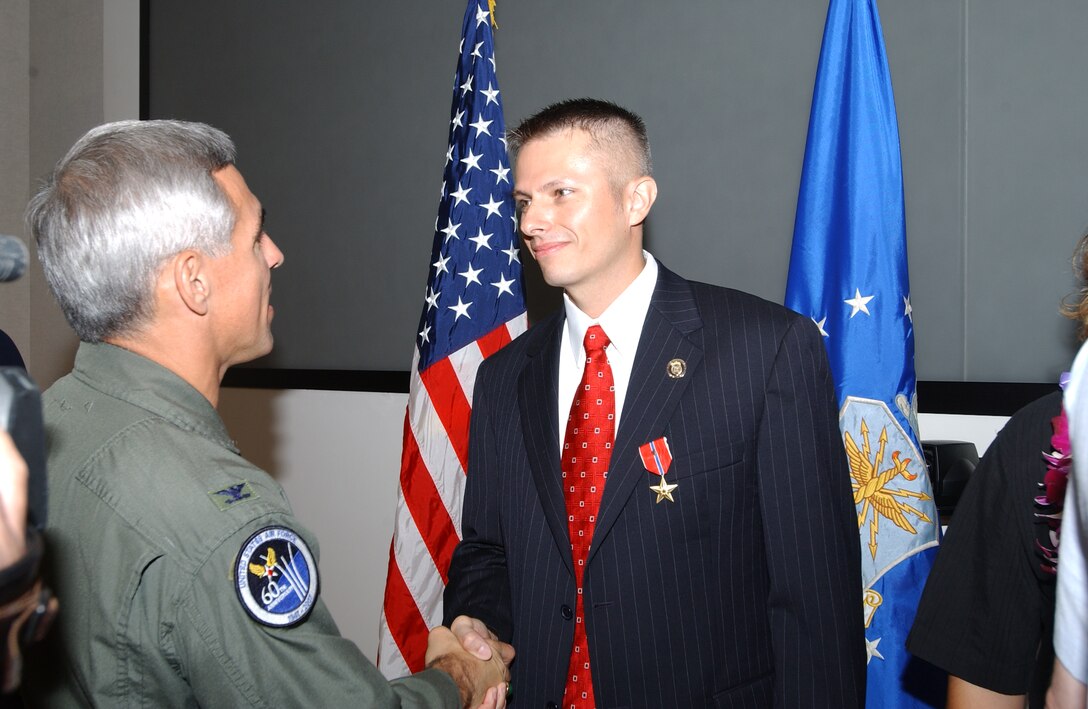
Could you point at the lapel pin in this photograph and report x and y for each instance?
(676, 368)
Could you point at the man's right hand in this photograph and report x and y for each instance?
(476, 637)
(480, 673)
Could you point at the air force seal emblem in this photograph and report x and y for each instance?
(890, 485)
(276, 577)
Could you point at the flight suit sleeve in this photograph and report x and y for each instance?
(263, 637)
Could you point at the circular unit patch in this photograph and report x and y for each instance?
(276, 577)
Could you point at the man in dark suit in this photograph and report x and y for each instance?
(696, 543)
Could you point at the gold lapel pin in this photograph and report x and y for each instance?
(676, 368)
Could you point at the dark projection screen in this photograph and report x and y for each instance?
(340, 109)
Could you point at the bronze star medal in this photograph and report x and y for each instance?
(664, 490)
(657, 458)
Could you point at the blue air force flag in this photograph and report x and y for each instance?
(848, 272)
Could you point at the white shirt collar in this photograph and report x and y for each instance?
(622, 320)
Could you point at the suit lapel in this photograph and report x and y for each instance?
(652, 395)
(538, 403)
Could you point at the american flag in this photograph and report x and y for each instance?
(474, 304)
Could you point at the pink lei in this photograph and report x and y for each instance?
(1052, 500)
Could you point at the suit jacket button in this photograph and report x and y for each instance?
(551, 705)
(566, 612)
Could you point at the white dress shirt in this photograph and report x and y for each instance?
(622, 321)
(1071, 611)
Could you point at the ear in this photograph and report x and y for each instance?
(641, 194)
(189, 270)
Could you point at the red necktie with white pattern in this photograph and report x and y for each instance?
(587, 448)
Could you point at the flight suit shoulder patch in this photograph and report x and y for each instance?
(276, 577)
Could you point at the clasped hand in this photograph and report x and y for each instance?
(476, 659)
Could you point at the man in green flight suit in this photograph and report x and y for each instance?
(183, 576)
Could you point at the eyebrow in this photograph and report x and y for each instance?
(260, 225)
(551, 184)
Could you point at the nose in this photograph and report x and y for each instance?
(534, 219)
(272, 254)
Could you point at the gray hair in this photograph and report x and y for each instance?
(126, 197)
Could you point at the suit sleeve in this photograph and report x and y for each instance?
(479, 584)
(810, 531)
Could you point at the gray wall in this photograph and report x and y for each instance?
(340, 112)
(1026, 201)
(51, 63)
(14, 156)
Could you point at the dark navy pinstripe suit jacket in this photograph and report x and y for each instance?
(745, 591)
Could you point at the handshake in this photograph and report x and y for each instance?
(476, 660)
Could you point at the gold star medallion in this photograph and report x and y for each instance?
(664, 490)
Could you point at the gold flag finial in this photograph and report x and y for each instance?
(491, 11)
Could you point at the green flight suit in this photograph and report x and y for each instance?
(150, 505)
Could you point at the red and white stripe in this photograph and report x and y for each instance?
(432, 479)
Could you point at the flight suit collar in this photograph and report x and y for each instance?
(141, 382)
